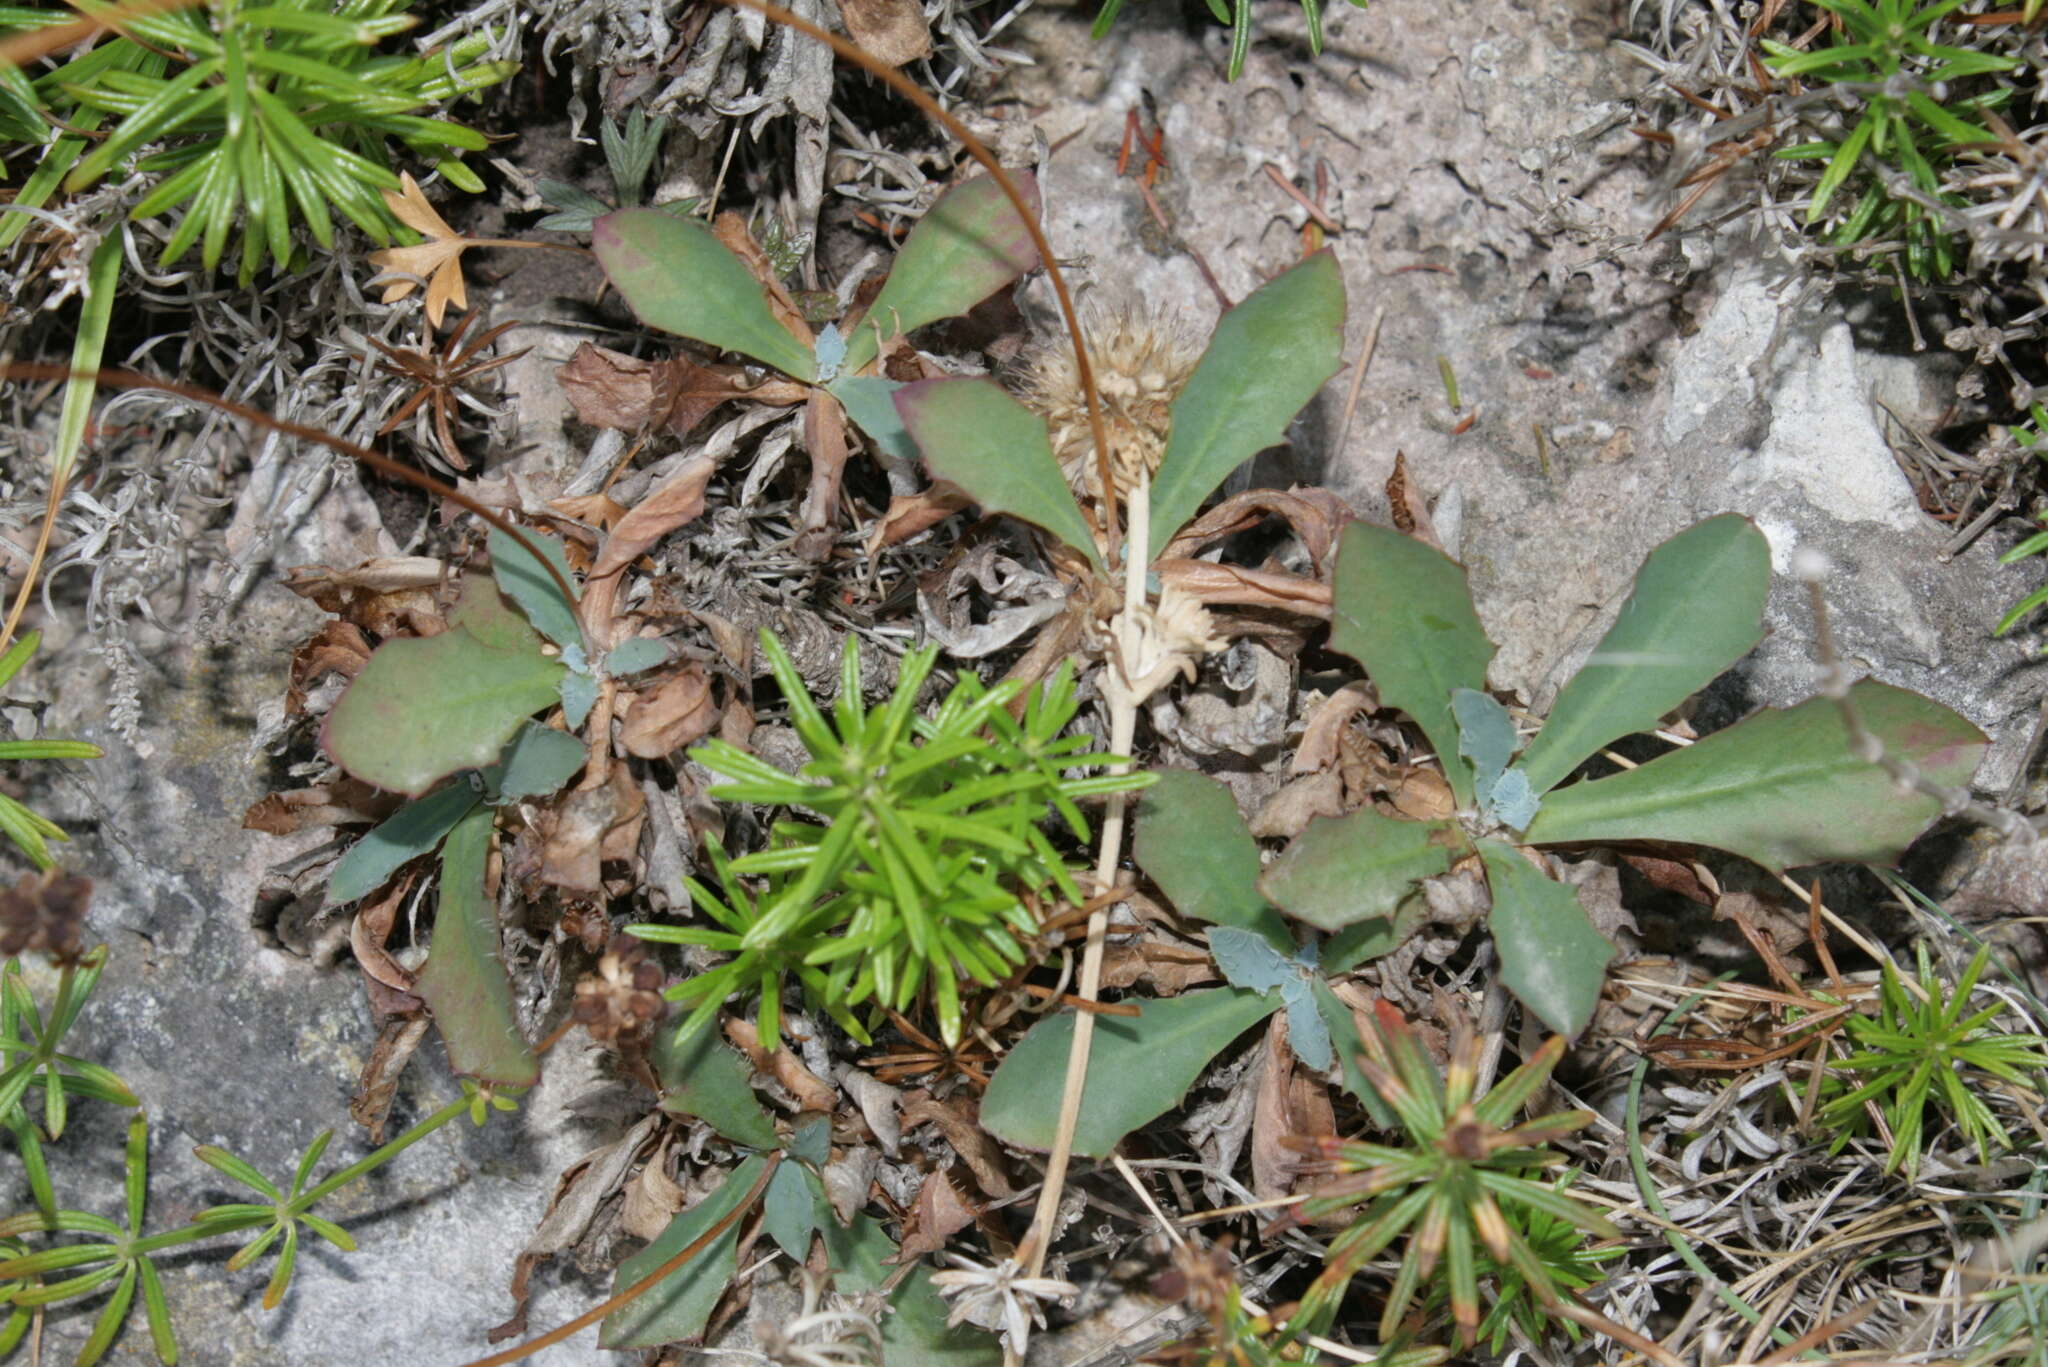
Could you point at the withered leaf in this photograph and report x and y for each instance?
(811, 1093)
(589, 826)
(342, 802)
(664, 719)
(1289, 1101)
(377, 1088)
(677, 500)
(893, 31)
(935, 1216)
(611, 389)
(1214, 584)
(959, 1120)
(825, 440)
(1411, 513)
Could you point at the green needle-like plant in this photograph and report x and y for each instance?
(1887, 65)
(1238, 15)
(926, 845)
(31, 833)
(257, 115)
(1920, 1050)
(1559, 1245)
(1466, 1163)
(629, 154)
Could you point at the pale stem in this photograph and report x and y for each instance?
(1123, 725)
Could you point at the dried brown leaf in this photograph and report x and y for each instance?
(1214, 584)
(1321, 737)
(958, 1119)
(1287, 813)
(1316, 516)
(1410, 512)
(893, 31)
(811, 1092)
(589, 826)
(675, 502)
(651, 1199)
(673, 714)
(938, 1213)
(1289, 1101)
(825, 440)
(909, 514)
(397, 1040)
(342, 802)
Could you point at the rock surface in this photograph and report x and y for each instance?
(1479, 163)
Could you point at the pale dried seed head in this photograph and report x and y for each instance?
(1142, 358)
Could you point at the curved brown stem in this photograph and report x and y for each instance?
(128, 379)
(639, 1288)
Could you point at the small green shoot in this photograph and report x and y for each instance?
(1466, 1163)
(926, 845)
(629, 154)
(1902, 89)
(1922, 1050)
(30, 832)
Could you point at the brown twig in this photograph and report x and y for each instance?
(641, 1287)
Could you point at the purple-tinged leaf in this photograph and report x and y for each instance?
(973, 433)
(969, 244)
(1782, 787)
(1551, 957)
(464, 980)
(680, 278)
(422, 709)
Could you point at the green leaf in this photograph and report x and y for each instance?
(1191, 841)
(1551, 957)
(1347, 869)
(406, 834)
(870, 401)
(1344, 1037)
(1487, 738)
(578, 692)
(969, 244)
(1841, 164)
(630, 657)
(1249, 962)
(537, 763)
(1780, 788)
(525, 580)
(423, 708)
(793, 1209)
(701, 1077)
(680, 1306)
(680, 278)
(1267, 358)
(1696, 609)
(1138, 1068)
(973, 433)
(1402, 610)
(464, 981)
(914, 1333)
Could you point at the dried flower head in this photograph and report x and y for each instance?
(1000, 1298)
(45, 912)
(1142, 359)
(623, 997)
